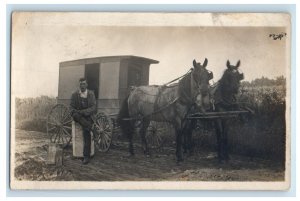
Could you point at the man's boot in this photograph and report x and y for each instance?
(86, 160)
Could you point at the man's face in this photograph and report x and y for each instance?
(83, 85)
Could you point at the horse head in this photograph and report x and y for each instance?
(232, 77)
(200, 84)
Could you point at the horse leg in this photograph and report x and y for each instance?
(187, 136)
(190, 135)
(225, 140)
(219, 131)
(129, 132)
(184, 145)
(179, 154)
(145, 124)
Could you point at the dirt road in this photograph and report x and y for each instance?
(115, 165)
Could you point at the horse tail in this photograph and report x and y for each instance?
(125, 123)
(123, 114)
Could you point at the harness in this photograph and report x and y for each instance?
(161, 90)
(216, 98)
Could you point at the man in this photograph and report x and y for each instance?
(83, 107)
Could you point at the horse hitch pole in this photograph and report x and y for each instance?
(216, 115)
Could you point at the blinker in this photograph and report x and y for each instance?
(241, 76)
(210, 75)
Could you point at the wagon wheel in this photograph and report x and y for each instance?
(59, 125)
(155, 135)
(104, 130)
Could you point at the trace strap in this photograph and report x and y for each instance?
(162, 108)
(153, 113)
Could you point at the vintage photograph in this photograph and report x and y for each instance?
(150, 101)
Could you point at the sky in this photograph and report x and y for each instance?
(37, 50)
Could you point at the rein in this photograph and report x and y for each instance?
(178, 78)
(189, 99)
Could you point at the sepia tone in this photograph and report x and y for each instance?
(118, 54)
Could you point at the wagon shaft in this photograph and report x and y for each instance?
(215, 115)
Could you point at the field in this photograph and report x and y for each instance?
(115, 165)
(256, 143)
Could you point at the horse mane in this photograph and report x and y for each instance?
(225, 76)
(223, 91)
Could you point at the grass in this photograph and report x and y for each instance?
(31, 113)
(260, 135)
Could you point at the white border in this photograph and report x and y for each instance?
(160, 19)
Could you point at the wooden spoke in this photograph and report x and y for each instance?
(66, 132)
(103, 135)
(59, 125)
(67, 135)
(61, 136)
(53, 121)
(154, 135)
(67, 127)
(67, 122)
(54, 135)
(51, 129)
(66, 116)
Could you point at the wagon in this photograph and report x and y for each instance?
(111, 79)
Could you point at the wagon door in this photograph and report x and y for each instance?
(92, 76)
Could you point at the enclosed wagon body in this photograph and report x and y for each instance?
(109, 77)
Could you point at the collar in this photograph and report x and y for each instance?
(83, 94)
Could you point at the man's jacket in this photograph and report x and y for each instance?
(75, 104)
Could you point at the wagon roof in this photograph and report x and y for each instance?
(109, 58)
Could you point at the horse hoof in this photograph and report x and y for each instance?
(191, 153)
(147, 154)
(227, 158)
(223, 162)
(130, 155)
(179, 160)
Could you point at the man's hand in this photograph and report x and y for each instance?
(83, 112)
(80, 112)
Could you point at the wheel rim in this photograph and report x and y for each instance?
(59, 125)
(103, 135)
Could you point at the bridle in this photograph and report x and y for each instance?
(193, 97)
(198, 82)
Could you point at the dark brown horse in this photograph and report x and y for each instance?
(223, 96)
(165, 104)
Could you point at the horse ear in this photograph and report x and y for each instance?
(238, 63)
(205, 63)
(194, 63)
(228, 64)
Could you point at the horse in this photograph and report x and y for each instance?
(163, 103)
(223, 98)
